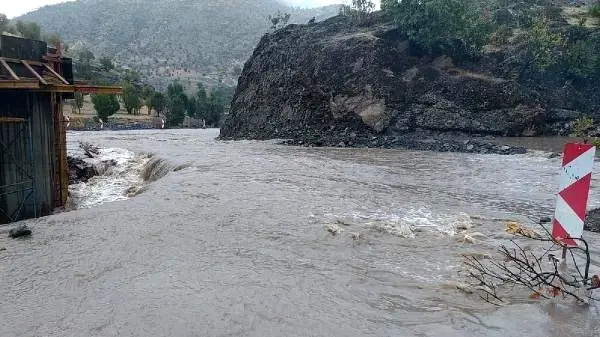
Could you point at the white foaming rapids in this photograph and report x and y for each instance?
(114, 183)
(407, 223)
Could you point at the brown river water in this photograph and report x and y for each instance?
(237, 244)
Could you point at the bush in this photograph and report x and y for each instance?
(583, 59)
(105, 105)
(445, 25)
(594, 11)
(546, 45)
(501, 36)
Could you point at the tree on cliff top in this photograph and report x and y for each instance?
(454, 26)
(279, 20)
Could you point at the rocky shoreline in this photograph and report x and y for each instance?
(338, 84)
(412, 141)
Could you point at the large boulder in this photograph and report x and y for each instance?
(342, 83)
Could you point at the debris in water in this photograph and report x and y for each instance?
(2, 249)
(334, 229)
(517, 228)
(90, 150)
(478, 256)
(356, 236)
(470, 237)
(20, 231)
(341, 222)
(595, 282)
(545, 219)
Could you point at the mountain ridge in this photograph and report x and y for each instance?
(162, 40)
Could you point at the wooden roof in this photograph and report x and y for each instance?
(42, 76)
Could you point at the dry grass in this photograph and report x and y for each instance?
(88, 112)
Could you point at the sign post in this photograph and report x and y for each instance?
(574, 186)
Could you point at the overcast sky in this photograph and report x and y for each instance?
(14, 8)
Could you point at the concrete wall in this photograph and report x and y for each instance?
(36, 107)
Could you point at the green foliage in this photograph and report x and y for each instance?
(581, 129)
(545, 44)
(78, 101)
(106, 64)
(52, 39)
(454, 26)
(83, 64)
(279, 20)
(3, 22)
(583, 58)
(205, 38)
(29, 30)
(131, 98)
(501, 36)
(158, 103)
(177, 103)
(594, 10)
(105, 105)
(358, 11)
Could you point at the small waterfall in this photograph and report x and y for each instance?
(121, 174)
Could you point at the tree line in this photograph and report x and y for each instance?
(462, 28)
(27, 30)
(173, 104)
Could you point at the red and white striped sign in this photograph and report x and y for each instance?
(574, 187)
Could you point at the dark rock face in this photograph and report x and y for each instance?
(81, 170)
(334, 84)
(592, 221)
(20, 231)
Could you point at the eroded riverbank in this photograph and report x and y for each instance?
(236, 243)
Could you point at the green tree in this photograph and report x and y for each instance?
(159, 103)
(105, 105)
(213, 112)
(175, 114)
(359, 9)
(453, 26)
(3, 23)
(83, 65)
(29, 30)
(177, 103)
(192, 107)
(131, 98)
(544, 43)
(279, 20)
(106, 64)
(78, 101)
(146, 95)
(52, 39)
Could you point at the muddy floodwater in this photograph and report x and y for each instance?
(238, 242)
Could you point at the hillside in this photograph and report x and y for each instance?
(374, 82)
(161, 39)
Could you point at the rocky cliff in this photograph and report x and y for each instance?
(336, 83)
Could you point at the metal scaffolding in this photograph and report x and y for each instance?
(17, 161)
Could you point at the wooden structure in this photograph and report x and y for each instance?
(34, 80)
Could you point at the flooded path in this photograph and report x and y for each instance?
(237, 244)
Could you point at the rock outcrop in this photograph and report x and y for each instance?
(338, 84)
(592, 221)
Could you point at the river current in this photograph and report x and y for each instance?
(239, 241)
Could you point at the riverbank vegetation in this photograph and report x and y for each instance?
(553, 35)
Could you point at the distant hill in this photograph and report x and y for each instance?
(165, 39)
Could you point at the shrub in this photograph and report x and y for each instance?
(446, 25)
(546, 45)
(583, 59)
